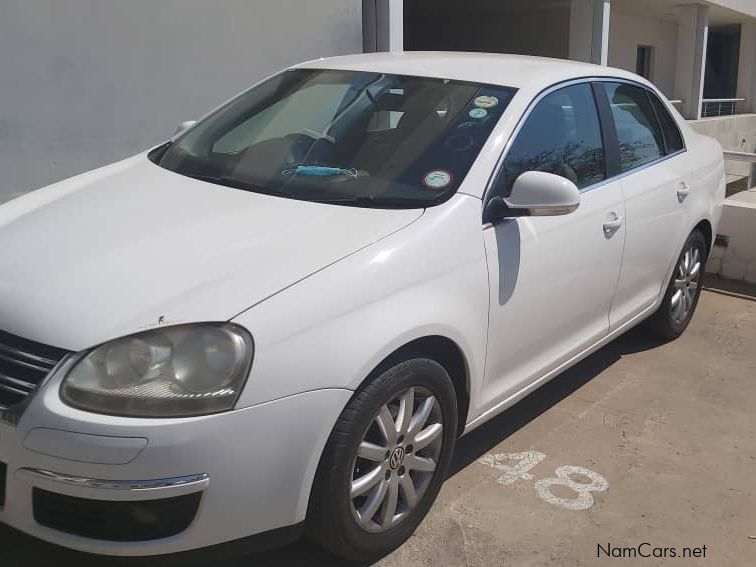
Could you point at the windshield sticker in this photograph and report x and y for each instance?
(478, 113)
(486, 101)
(437, 179)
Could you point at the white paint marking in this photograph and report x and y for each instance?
(516, 466)
(512, 473)
(584, 498)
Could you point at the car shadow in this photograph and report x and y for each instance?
(19, 550)
(473, 446)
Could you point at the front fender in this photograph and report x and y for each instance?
(332, 329)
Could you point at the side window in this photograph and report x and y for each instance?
(561, 135)
(672, 138)
(638, 132)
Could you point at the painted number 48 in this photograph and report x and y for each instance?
(517, 466)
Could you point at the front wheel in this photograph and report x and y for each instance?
(684, 289)
(385, 461)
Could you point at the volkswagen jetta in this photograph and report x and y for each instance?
(282, 318)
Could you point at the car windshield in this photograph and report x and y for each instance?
(343, 137)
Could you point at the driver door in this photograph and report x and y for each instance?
(552, 279)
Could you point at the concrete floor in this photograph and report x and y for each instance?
(667, 431)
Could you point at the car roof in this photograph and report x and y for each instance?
(519, 71)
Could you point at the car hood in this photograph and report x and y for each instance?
(132, 246)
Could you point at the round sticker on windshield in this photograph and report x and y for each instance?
(478, 113)
(486, 101)
(437, 179)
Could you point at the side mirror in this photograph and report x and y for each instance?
(183, 127)
(535, 194)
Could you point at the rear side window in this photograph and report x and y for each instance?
(561, 135)
(672, 138)
(640, 138)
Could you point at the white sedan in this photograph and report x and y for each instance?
(282, 319)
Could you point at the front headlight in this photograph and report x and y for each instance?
(184, 370)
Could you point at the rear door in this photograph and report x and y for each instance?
(652, 169)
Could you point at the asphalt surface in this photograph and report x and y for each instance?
(643, 448)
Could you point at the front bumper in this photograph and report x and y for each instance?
(253, 467)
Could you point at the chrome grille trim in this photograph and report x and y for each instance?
(17, 382)
(196, 481)
(21, 362)
(24, 365)
(27, 355)
(13, 390)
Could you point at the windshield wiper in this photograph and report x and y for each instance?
(204, 177)
(373, 201)
(367, 201)
(227, 182)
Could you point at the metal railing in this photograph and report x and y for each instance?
(720, 106)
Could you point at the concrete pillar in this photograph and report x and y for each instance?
(589, 31)
(382, 25)
(692, 39)
(747, 67)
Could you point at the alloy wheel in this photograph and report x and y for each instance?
(396, 459)
(686, 284)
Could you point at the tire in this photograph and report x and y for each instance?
(349, 527)
(676, 309)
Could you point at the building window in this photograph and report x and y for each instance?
(643, 61)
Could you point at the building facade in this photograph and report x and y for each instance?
(84, 83)
(700, 54)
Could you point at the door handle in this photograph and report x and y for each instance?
(612, 224)
(682, 191)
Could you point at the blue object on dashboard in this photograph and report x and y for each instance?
(317, 170)
(320, 171)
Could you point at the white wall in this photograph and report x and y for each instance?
(87, 82)
(735, 133)
(627, 32)
(738, 260)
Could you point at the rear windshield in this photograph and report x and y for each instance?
(344, 137)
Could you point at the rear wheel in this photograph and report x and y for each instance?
(385, 461)
(684, 289)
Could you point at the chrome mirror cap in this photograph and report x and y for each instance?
(543, 194)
